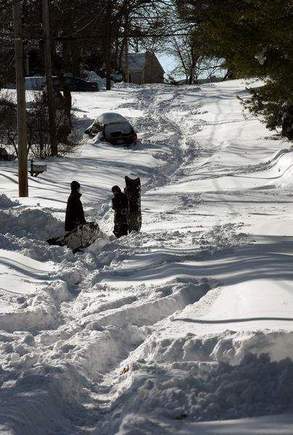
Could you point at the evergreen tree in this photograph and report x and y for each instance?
(255, 38)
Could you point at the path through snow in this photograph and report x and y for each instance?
(155, 331)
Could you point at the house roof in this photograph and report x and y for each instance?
(137, 61)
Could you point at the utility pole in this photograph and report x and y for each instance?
(49, 80)
(21, 103)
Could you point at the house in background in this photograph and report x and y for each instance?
(144, 68)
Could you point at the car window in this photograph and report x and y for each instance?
(96, 127)
(118, 127)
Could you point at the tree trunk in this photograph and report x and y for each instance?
(108, 48)
(75, 58)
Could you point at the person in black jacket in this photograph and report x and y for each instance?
(120, 207)
(74, 210)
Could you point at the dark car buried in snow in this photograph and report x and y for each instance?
(113, 128)
(5, 156)
(75, 84)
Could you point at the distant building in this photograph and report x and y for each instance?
(145, 68)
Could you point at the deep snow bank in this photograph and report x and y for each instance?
(200, 391)
(29, 222)
(26, 229)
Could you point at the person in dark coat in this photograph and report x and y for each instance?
(74, 210)
(120, 207)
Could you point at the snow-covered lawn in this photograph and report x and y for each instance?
(154, 332)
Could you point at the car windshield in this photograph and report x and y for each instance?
(118, 127)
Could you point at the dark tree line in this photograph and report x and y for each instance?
(95, 33)
(252, 38)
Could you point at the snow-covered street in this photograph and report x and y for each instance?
(157, 331)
